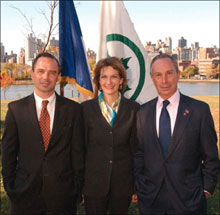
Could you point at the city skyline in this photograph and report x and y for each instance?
(164, 19)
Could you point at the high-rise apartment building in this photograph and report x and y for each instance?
(183, 54)
(182, 43)
(195, 50)
(10, 58)
(168, 42)
(54, 42)
(32, 47)
(207, 53)
(21, 58)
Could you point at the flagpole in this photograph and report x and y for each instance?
(61, 88)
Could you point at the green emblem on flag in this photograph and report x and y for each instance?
(138, 54)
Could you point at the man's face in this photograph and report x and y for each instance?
(45, 76)
(165, 77)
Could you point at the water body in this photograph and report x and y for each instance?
(189, 88)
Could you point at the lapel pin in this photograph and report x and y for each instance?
(186, 112)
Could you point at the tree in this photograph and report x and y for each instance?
(52, 4)
(8, 66)
(213, 72)
(189, 71)
(6, 81)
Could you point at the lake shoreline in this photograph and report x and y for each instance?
(199, 81)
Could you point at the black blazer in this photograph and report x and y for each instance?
(109, 149)
(193, 142)
(29, 173)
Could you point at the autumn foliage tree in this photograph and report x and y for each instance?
(213, 72)
(189, 71)
(5, 82)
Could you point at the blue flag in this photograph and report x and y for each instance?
(73, 60)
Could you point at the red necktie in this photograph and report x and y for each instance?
(45, 124)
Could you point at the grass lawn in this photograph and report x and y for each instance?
(213, 201)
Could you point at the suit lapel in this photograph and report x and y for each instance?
(152, 119)
(59, 117)
(32, 116)
(98, 113)
(183, 115)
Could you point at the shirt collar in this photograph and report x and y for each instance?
(174, 99)
(39, 99)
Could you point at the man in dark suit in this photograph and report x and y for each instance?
(42, 148)
(176, 160)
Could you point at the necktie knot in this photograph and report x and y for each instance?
(44, 104)
(165, 103)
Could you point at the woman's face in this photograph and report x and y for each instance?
(110, 81)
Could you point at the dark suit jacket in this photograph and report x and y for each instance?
(30, 174)
(109, 150)
(192, 164)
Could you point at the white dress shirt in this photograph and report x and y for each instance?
(172, 109)
(50, 107)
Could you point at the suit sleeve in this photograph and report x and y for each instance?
(78, 150)
(133, 135)
(209, 152)
(10, 147)
(139, 157)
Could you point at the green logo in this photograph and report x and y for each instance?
(138, 54)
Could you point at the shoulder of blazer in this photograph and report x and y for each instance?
(23, 101)
(149, 104)
(194, 103)
(90, 102)
(67, 102)
(132, 104)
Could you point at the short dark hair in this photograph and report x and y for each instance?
(116, 64)
(45, 54)
(164, 55)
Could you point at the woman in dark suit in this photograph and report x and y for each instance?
(110, 136)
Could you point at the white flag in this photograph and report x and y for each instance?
(117, 37)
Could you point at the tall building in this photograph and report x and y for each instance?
(168, 42)
(54, 42)
(185, 54)
(2, 52)
(205, 65)
(21, 58)
(207, 53)
(32, 47)
(11, 58)
(182, 43)
(195, 50)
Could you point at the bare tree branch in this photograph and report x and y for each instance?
(52, 4)
(29, 22)
(45, 16)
